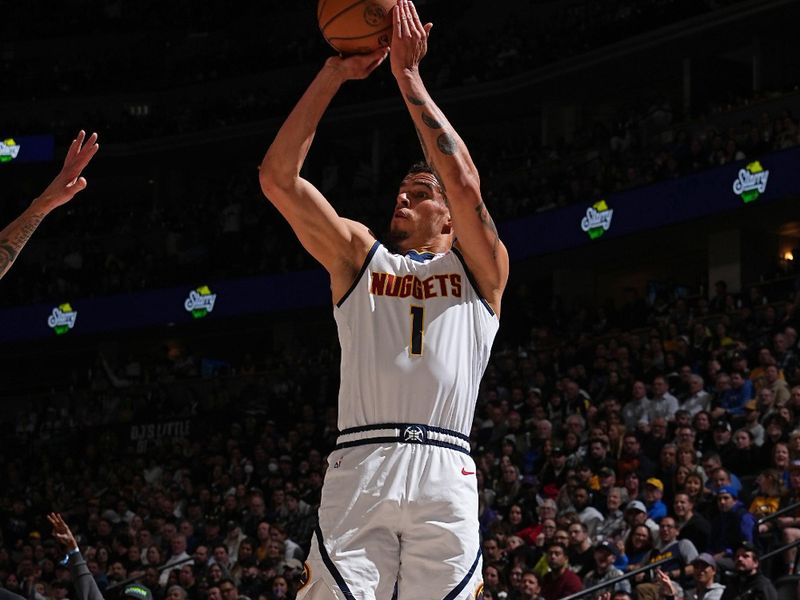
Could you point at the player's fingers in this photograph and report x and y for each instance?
(90, 150)
(396, 27)
(78, 141)
(76, 184)
(376, 58)
(72, 150)
(414, 18)
(83, 158)
(91, 140)
(382, 54)
(405, 19)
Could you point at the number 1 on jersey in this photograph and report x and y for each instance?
(417, 326)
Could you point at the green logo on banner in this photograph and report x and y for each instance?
(200, 302)
(62, 319)
(8, 150)
(751, 183)
(597, 220)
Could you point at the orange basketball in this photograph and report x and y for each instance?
(355, 26)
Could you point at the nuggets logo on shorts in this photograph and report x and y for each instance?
(414, 434)
(479, 592)
(305, 578)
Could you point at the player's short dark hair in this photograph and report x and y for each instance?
(423, 167)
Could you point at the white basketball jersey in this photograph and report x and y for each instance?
(416, 338)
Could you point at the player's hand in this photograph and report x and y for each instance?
(357, 66)
(61, 531)
(69, 181)
(409, 38)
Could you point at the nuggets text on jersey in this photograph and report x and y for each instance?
(403, 286)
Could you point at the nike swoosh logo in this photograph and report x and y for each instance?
(465, 472)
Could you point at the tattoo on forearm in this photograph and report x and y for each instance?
(7, 256)
(431, 121)
(11, 247)
(431, 165)
(446, 144)
(486, 219)
(414, 100)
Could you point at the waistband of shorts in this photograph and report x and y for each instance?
(403, 433)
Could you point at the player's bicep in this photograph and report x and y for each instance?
(478, 239)
(321, 231)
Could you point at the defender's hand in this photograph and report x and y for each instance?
(69, 181)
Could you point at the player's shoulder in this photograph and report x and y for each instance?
(360, 230)
(362, 240)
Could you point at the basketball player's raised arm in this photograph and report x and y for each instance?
(448, 156)
(332, 240)
(60, 191)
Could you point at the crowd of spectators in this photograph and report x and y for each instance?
(157, 47)
(136, 236)
(599, 450)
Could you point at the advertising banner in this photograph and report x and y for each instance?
(717, 191)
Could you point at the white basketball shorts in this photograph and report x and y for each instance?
(398, 519)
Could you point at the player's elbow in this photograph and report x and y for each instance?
(266, 180)
(273, 178)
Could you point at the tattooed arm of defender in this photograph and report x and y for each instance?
(446, 153)
(14, 237)
(61, 190)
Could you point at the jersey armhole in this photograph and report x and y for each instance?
(472, 281)
(367, 260)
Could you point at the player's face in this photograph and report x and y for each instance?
(420, 212)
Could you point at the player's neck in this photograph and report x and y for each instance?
(437, 245)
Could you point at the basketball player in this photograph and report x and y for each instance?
(416, 320)
(66, 184)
